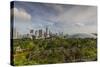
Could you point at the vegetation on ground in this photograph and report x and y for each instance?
(53, 50)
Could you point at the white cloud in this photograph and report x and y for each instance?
(76, 14)
(84, 17)
(21, 15)
(79, 24)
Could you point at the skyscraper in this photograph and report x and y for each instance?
(46, 34)
(15, 33)
(40, 33)
(31, 31)
(46, 31)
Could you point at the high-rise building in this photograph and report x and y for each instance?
(32, 32)
(46, 31)
(40, 33)
(45, 34)
(15, 33)
(50, 33)
(36, 33)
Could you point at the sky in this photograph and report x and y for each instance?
(64, 18)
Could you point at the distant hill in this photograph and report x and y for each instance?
(82, 35)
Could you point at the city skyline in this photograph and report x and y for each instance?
(38, 34)
(57, 17)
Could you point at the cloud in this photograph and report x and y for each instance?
(66, 18)
(76, 15)
(21, 15)
(79, 24)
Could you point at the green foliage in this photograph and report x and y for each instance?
(57, 50)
